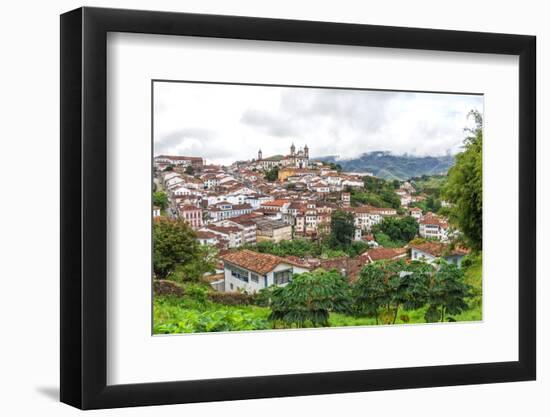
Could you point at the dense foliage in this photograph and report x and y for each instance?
(399, 230)
(272, 174)
(176, 315)
(429, 184)
(447, 293)
(376, 192)
(305, 247)
(336, 167)
(160, 199)
(386, 292)
(175, 250)
(384, 287)
(342, 229)
(309, 298)
(464, 188)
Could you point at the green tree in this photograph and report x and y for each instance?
(202, 263)
(160, 199)
(464, 186)
(174, 244)
(432, 204)
(334, 166)
(189, 170)
(397, 229)
(356, 248)
(342, 229)
(272, 174)
(309, 298)
(385, 287)
(447, 293)
(377, 192)
(390, 198)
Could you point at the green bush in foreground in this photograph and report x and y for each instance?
(309, 298)
(173, 315)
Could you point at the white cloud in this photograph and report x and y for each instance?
(224, 122)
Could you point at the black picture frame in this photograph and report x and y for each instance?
(84, 207)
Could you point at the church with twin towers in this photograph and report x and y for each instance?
(296, 159)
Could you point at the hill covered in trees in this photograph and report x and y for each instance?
(389, 166)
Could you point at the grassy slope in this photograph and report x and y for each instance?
(173, 315)
(187, 315)
(434, 182)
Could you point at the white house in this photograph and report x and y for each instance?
(169, 175)
(432, 251)
(226, 210)
(415, 212)
(210, 181)
(352, 183)
(172, 182)
(231, 234)
(206, 238)
(250, 271)
(246, 225)
(432, 226)
(181, 191)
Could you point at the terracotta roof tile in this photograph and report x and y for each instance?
(378, 254)
(439, 249)
(261, 263)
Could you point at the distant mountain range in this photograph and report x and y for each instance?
(386, 165)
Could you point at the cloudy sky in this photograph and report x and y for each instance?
(224, 123)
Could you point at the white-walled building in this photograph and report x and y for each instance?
(226, 210)
(432, 251)
(250, 271)
(415, 212)
(433, 226)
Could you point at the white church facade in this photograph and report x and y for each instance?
(296, 159)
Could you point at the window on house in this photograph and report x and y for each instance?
(282, 277)
(239, 273)
(254, 278)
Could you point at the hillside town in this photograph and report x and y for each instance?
(281, 198)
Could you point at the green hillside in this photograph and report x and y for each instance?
(389, 166)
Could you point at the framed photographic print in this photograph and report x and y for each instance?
(257, 208)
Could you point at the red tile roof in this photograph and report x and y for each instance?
(275, 203)
(223, 229)
(433, 219)
(187, 207)
(201, 234)
(261, 263)
(378, 254)
(439, 249)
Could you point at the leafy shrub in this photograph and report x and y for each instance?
(221, 320)
(396, 229)
(385, 286)
(309, 298)
(187, 315)
(447, 293)
(198, 293)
